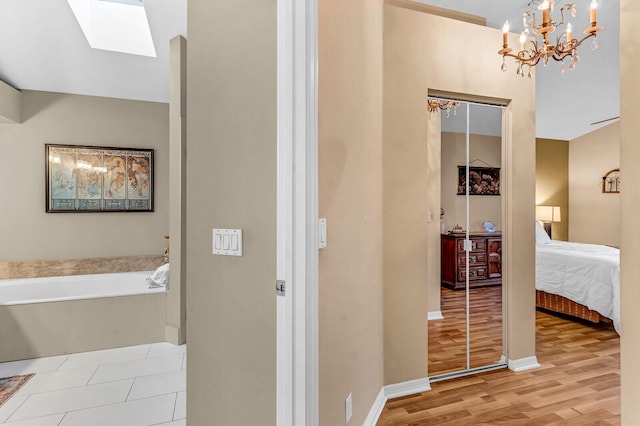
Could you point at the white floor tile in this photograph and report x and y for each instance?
(181, 406)
(42, 404)
(10, 406)
(136, 368)
(87, 359)
(164, 349)
(46, 382)
(27, 366)
(141, 412)
(38, 421)
(159, 384)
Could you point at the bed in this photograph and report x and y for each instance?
(578, 279)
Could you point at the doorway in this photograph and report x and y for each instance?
(469, 335)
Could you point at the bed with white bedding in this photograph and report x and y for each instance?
(587, 274)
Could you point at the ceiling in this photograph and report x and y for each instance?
(566, 104)
(43, 48)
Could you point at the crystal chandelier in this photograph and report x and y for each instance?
(539, 47)
(434, 105)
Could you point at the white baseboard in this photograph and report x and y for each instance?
(434, 315)
(395, 390)
(376, 409)
(523, 364)
(406, 388)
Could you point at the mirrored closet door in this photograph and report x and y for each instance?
(469, 335)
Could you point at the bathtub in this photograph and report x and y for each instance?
(59, 315)
(55, 289)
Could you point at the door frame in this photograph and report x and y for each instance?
(297, 398)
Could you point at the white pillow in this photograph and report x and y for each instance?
(160, 278)
(541, 235)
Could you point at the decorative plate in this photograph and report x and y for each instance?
(489, 226)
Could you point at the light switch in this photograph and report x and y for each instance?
(322, 228)
(227, 242)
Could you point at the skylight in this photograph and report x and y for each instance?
(116, 25)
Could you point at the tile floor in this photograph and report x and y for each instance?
(134, 386)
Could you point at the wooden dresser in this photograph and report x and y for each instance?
(485, 260)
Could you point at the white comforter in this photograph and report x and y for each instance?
(585, 273)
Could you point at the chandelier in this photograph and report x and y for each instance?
(539, 47)
(435, 105)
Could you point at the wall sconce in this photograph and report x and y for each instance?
(547, 215)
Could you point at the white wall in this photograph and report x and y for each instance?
(595, 217)
(26, 231)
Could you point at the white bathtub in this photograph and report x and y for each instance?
(56, 289)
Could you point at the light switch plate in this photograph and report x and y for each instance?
(227, 242)
(322, 228)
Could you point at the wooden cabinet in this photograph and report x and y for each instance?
(485, 260)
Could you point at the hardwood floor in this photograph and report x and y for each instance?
(578, 384)
(447, 343)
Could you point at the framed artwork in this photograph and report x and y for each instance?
(98, 179)
(482, 180)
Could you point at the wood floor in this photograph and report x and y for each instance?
(447, 343)
(578, 384)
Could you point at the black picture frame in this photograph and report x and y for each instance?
(483, 180)
(95, 179)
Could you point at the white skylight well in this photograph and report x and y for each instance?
(116, 25)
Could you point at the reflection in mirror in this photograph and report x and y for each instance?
(470, 334)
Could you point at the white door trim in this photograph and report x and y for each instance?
(297, 213)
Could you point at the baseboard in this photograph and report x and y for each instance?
(523, 364)
(434, 315)
(406, 388)
(376, 409)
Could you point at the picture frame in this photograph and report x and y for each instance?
(482, 181)
(95, 179)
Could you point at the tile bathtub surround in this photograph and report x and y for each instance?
(137, 385)
(64, 267)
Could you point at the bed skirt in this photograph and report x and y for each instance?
(556, 303)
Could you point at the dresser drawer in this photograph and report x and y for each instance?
(475, 273)
(476, 245)
(475, 259)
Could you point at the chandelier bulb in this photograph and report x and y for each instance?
(594, 44)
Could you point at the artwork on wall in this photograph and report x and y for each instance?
(98, 179)
(611, 182)
(482, 180)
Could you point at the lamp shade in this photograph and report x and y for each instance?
(548, 213)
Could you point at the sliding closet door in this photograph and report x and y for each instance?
(469, 337)
(448, 335)
(485, 222)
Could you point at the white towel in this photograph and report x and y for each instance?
(160, 278)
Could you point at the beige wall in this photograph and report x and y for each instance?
(57, 328)
(350, 196)
(409, 74)
(231, 183)
(10, 104)
(481, 208)
(630, 204)
(595, 217)
(552, 182)
(176, 331)
(30, 233)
